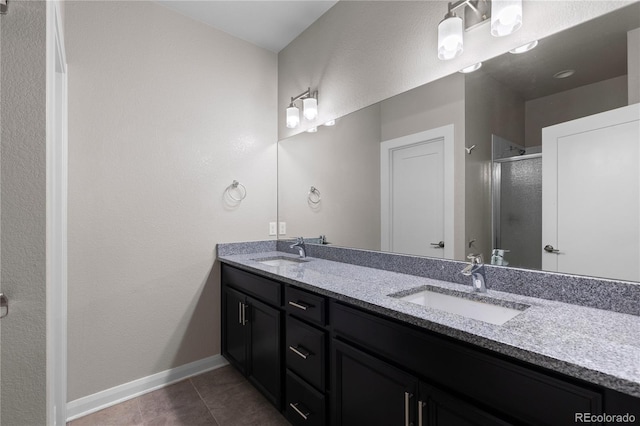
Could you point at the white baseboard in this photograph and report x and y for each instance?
(115, 395)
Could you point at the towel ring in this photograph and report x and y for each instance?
(237, 186)
(314, 195)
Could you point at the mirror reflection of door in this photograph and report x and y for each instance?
(591, 195)
(413, 195)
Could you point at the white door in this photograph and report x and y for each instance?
(591, 195)
(414, 205)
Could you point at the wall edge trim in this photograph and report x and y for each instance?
(117, 394)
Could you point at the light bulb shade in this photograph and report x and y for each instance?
(450, 38)
(310, 108)
(506, 17)
(293, 117)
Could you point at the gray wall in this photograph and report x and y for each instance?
(23, 212)
(361, 52)
(633, 65)
(164, 113)
(572, 104)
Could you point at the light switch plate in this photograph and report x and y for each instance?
(273, 228)
(283, 228)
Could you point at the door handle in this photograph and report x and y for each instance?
(438, 245)
(549, 249)
(4, 305)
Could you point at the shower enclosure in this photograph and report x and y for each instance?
(516, 189)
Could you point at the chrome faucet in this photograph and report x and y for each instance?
(299, 244)
(477, 272)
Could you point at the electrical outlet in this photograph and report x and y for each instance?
(273, 228)
(283, 228)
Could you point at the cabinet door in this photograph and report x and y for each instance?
(438, 408)
(235, 330)
(369, 391)
(265, 357)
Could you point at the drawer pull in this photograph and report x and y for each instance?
(299, 351)
(299, 305)
(304, 413)
(407, 397)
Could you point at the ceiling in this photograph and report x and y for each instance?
(596, 50)
(266, 23)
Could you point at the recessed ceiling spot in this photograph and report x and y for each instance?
(564, 74)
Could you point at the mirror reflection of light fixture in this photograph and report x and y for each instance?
(293, 116)
(505, 15)
(471, 68)
(450, 42)
(524, 48)
(309, 108)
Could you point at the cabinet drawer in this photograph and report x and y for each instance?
(263, 288)
(490, 380)
(304, 405)
(305, 349)
(305, 305)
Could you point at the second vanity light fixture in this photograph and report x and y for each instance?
(506, 18)
(309, 108)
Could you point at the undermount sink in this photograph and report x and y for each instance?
(466, 307)
(280, 261)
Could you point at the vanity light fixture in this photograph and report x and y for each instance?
(524, 48)
(505, 15)
(312, 130)
(330, 123)
(471, 68)
(293, 116)
(309, 107)
(450, 43)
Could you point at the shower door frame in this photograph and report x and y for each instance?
(496, 185)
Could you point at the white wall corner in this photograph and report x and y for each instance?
(117, 394)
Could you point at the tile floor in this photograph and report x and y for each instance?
(221, 397)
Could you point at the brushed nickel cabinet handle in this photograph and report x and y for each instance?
(421, 405)
(299, 305)
(302, 411)
(407, 397)
(244, 314)
(239, 312)
(299, 351)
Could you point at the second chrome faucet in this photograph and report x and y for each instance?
(299, 244)
(476, 270)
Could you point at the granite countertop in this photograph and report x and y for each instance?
(595, 345)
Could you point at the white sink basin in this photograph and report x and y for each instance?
(474, 309)
(280, 261)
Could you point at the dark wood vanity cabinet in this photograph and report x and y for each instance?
(324, 362)
(371, 391)
(251, 333)
(306, 348)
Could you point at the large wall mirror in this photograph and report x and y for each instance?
(532, 160)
